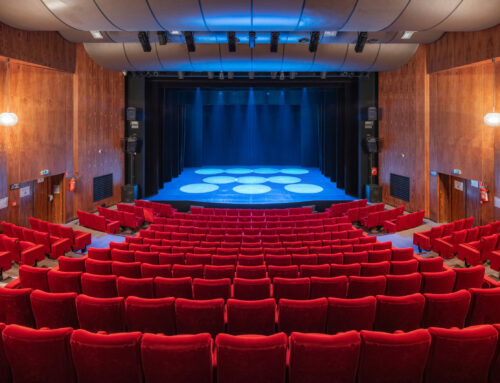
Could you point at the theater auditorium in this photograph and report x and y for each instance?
(249, 191)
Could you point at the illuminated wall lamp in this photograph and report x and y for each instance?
(8, 118)
(493, 119)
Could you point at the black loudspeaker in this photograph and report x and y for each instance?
(371, 114)
(132, 145)
(129, 193)
(372, 145)
(374, 193)
(131, 114)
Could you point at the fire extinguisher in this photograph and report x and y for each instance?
(72, 184)
(483, 189)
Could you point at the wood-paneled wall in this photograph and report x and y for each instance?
(70, 119)
(432, 110)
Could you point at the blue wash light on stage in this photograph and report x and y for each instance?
(208, 172)
(304, 188)
(294, 171)
(284, 180)
(220, 180)
(251, 180)
(266, 171)
(239, 171)
(252, 189)
(199, 188)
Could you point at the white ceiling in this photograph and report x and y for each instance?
(119, 20)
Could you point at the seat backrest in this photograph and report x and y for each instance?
(237, 357)
(291, 288)
(171, 358)
(71, 264)
(251, 289)
(93, 354)
(438, 283)
(204, 289)
(405, 353)
(54, 310)
(430, 265)
(251, 317)
(64, 281)
(436, 232)
(93, 266)
(446, 310)
(34, 277)
(311, 356)
(469, 278)
(101, 314)
(353, 269)
(476, 346)
(350, 314)
(99, 254)
(150, 315)
(405, 254)
(99, 286)
(137, 287)
(15, 307)
(39, 355)
(399, 285)
(126, 269)
(173, 287)
(399, 313)
(364, 286)
(302, 315)
(374, 269)
(197, 316)
(484, 306)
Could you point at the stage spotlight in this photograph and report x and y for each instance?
(251, 39)
(97, 35)
(313, 44)
(251, 75)
(282, 76)
(210, 75)
(360, 43)
(323, 75)
(230, 75)
(274, 75)
(162, 37)
(180, 75)
(275, 37)
(293, 75)
(231, 41)
(190, 41)
(221, 76)
(144, 40)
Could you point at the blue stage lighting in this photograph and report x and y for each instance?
(220, 180)
(252, 189)
(304, 188)
(294, 171)
(208, 172)
(284, 180)
(239, 171)
(198, 188)
(251, 180)
(266, 171)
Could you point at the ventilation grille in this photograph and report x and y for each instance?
(400, 187)
(103, 187)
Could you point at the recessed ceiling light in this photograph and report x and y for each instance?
(330, 33)
(407, 35)
(175, 32)
(97, 35)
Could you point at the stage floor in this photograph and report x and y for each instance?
(251, 185)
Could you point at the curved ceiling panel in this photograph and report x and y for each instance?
(80, 14)
(144, 60)
(221, 16)
(239, 61)
(297, 58)
(374, 15)
(361, 61)
(329, 15)
(131, 17)
(329, 57)
(109, 55)
(280, 15)
(30, 15)
(472, 15)
(174, 57)
(180, 15)
(416, 17)
(393, 56)
(206, 58)
(263, 60)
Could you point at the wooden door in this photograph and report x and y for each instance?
(444, 197)
(21, 204)
(458, 198)
(49, 199)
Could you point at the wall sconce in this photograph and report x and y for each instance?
(493, 119)
(8, 118)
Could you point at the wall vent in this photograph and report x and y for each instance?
(103, 187)
(400, 187)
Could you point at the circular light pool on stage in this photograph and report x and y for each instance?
(198, 188)
(266, 171)
(220, 180)
(304, 188)
(294, 171)
(208, 172)
(284, 180)
(252, 189)
(239, 171)
(251, 180)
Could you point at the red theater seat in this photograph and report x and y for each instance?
(307, 271)
(122, 255)
(195, 316)
(173, 287)
(364, 286)
(64, 281)
(350, 257)
(34, 277)
(239, 356)
(99, 286)
(250, 260)
(99, 254)
(374, 269)
(424, 240)
(54, 310)
(150, 315)
(469, 278)
(107, 358)
(137, 287)
(399, 313)
(438, 283)
(149, 257)
(93, 266)
(251, 289)
(345, 270)
(402, 254)
(323, 358)
(329, 287)
(151, 271)
(302, 315)
(72, 264)
(39, 355)
(399, 285)
(430, 265)
(484, 306)
(251, 272)
(403, 355)
(350, 314)
(446, 310)
(251, 317)
(180, 358)
(404, 267)
(204, 289)
(15, 307)
(475, 346)
(218, 272)
(101, 314)
(124, 269)
(283, 272)
(379, 255)
(278, 260)
(291, 288)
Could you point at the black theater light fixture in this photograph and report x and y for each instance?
(251, 39)
(221, 75)
(231, 41)
(190, 41)
(162, 37)
(282, 76)
(313, 43)
(275, 37)
(251, 75)
(144, 40)
(360, 43)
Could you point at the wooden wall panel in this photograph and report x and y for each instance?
(3, 152)
(403, 127)
(44, 48)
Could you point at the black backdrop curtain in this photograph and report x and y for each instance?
(311, 127)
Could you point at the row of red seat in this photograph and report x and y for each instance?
(358, 213)
(404, 222)
(97, 222)
(79, 239)
(338, 209)
(125, 219)
(194, 218)
(377, 218)
(22, 252)
(136, 210)
(181, 285)
(447, 246)
(264, 317)
(425, 239)
(155, 209)
(70, 356)
(250, 212)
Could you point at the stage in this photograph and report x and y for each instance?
(240, 186)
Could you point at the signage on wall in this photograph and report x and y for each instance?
(134, 124)
(14, 186)
(44, 172)
(4, 202)
(434, 173)
(459, 185)
(457, 171)
(40, 180)
(25, 191)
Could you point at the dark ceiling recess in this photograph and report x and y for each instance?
(360, 43)
(313, 44)
(275, 37)
(231, 41)
(144, 40)
(190, 41)
(162, 37)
